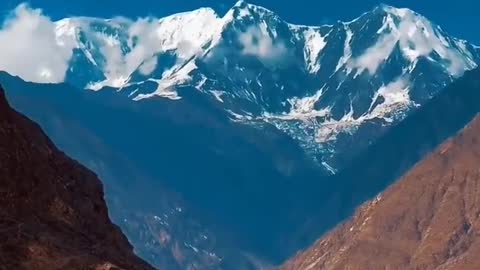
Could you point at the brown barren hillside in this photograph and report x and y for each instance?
(429, 219)
(52, 211)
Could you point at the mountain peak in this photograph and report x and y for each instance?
(396, 13)
(203, 11)
(246, 8)
(240, 4)
(194, 33)
(400, 12)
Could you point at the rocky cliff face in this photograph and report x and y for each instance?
(52, 214)
(427, 220)
(332, 88)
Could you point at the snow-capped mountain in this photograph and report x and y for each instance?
(326, 86)
(115, 50)
(239, 114)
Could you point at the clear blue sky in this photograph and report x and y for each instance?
(460, 18)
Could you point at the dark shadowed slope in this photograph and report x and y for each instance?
(52, 211)
(228, 174)
(427, 220)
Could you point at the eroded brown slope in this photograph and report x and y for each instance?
(52, 211)
(429, 219)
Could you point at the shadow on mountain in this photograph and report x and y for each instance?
(251, 188)
(235, 179)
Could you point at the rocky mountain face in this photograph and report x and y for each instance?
(429, 218)
(199, 123)
(325, 86)
(164, 228)
(52, 214)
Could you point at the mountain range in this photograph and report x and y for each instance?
(233, 141)
(321, 85)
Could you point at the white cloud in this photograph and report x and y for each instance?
(147, 43)
(185, 33)
(148, 66)
(396, 97)
(143, 44)
(37, 49)
(375, 55)
(257, 42)
(416, 37)
(28, 47)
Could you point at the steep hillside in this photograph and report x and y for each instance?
(429, 219)
(52, 214)
(173, 169)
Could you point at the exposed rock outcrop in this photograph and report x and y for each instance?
(52, 211)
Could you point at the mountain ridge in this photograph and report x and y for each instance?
(413, 144)
(380, 234)
(139, 197)
(319, 84)
(53, 214)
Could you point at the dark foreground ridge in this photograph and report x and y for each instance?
(52, 211)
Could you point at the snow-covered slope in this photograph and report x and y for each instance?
(120, 51)
(326, 86)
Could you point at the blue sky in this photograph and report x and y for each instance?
(461, 18)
